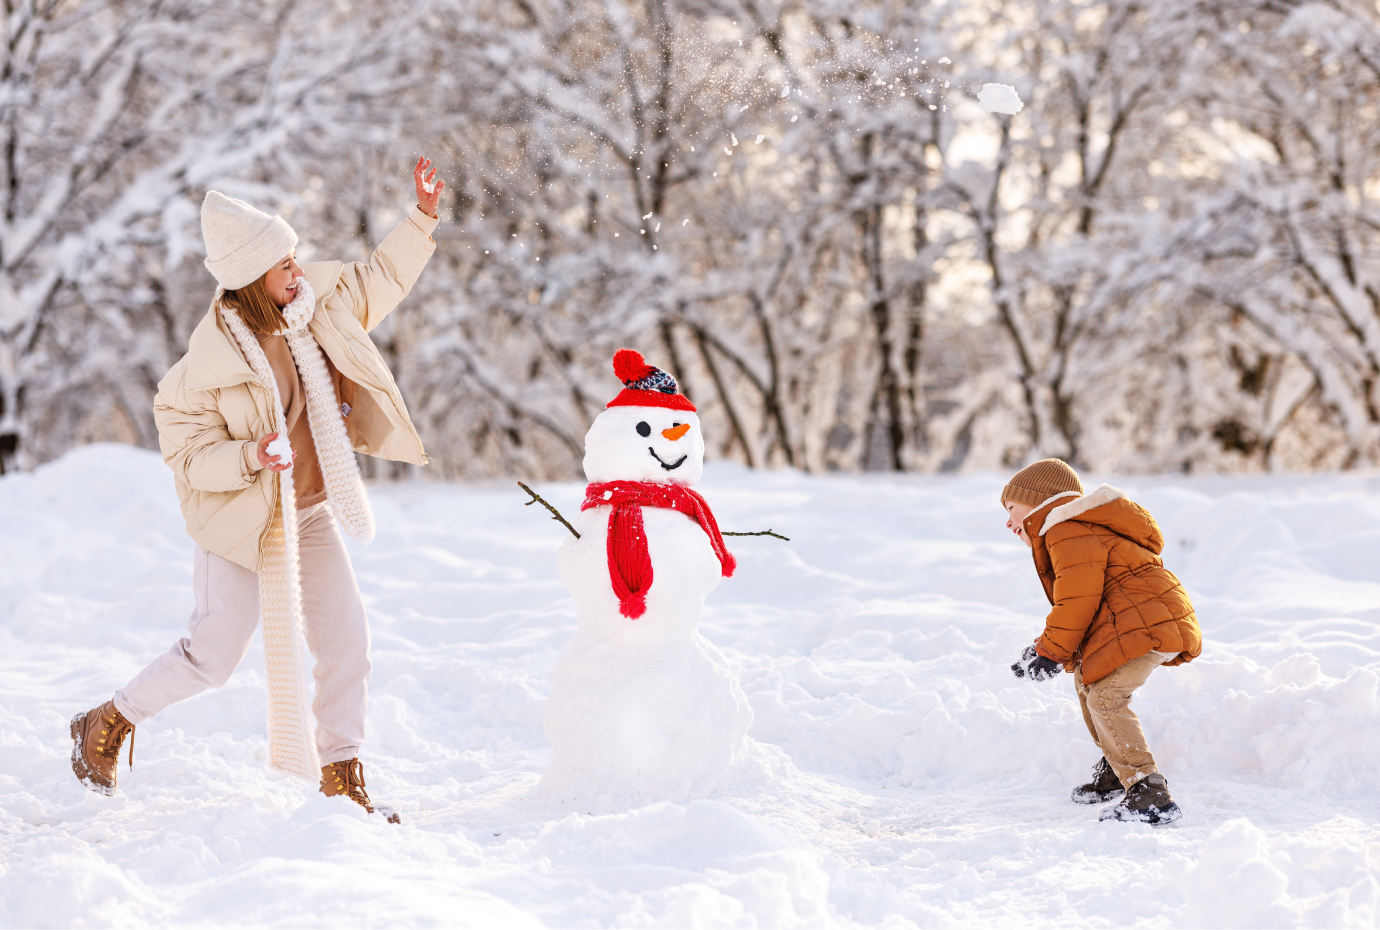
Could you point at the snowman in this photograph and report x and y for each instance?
(640, 702)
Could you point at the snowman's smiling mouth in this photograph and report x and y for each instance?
(679, 462)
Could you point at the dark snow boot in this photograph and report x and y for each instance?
(1104, 785)
(97, 736)
(1148, 801)
(347, 778)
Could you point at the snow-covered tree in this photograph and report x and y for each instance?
(1288, 242)
(116, 115)
(1166, 260)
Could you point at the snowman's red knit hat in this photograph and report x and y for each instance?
(645, 385)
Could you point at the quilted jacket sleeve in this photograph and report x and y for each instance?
(372, 289)
(1079, 561)
(196, 444)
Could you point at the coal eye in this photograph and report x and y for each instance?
(643, 429)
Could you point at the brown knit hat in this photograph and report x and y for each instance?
(1037, 483)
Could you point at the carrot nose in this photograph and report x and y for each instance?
(676, 432)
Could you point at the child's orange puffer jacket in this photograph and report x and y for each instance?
(1099, 559)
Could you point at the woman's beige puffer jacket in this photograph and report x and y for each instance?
(210, 405)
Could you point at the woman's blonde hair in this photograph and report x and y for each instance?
(255, 307)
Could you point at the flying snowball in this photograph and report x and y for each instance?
(1000, 98)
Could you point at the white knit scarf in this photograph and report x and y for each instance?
(291, 742)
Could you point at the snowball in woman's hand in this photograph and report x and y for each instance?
(281, 448)
(999, 98)
(429, 186)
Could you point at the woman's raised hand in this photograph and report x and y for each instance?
(428, 188)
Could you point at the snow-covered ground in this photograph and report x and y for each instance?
(901, 775)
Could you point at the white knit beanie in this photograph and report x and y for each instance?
(241, 242)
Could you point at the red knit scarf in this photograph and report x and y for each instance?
(630, 566)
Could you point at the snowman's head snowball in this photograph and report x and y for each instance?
(658, 444)
(649, 431)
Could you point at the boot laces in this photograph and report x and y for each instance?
(350, 776)
(115, 729)
(1103, 774)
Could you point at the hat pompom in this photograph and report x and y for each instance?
(630, 366)
(645, 385)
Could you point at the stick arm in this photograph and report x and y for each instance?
(555, 514)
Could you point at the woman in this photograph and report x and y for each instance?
(281, 355)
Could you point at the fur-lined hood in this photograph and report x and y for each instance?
(1106, 506)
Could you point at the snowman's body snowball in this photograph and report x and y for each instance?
(646, 705)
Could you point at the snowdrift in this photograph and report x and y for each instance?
(898, 774)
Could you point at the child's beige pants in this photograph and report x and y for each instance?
(223, 623)
(1114, 726)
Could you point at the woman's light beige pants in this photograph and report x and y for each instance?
(1114, 726)
(223, 623)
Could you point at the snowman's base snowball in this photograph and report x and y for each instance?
(660, 720)
(1000, 98)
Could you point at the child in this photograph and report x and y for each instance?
(1118, 614)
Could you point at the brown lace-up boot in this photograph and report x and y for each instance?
(97, 736)
(1103, 787)
(1148, 801)
(348, 778)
